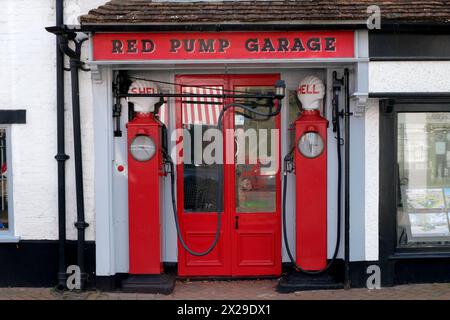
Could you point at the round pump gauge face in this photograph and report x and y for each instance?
(311, 145)
(142, 148)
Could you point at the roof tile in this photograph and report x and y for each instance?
(149, 12)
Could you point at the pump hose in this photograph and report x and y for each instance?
(169, 160)
(338, 232)
(177, 223)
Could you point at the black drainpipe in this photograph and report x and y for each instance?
(347, 116)
(61, 155)
(75, 65)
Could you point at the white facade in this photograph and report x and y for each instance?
(28, 81)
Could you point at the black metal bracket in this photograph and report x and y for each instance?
(338, 83)
(61, 157)
(198, 95)
(81, 225)
(66, 34)
(122, 83)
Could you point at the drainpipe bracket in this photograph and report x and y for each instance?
(76, 63)
(61, 157)
(81, 225)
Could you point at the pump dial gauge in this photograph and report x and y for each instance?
(142, 148)
(311, 145)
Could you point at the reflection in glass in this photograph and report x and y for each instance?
(200, 179)
(424, 179)
(201, 184)
(255, 173)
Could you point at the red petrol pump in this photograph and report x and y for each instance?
(144, 170)
(308, 158)
(311, 178)
(311, 190)
(145, 173)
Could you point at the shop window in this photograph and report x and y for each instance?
(4, 212)
(423, 179)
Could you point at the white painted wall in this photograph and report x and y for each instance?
(27, 81)
(409, 76)
(371, 182)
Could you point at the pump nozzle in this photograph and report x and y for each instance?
(280, 89)
(337, 85)
(289, 162)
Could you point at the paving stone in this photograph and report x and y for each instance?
(238, 290)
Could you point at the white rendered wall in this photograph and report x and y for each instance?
(28, 81)
(371, 181)
(413, 76)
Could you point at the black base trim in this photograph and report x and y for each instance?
(358, 272)
(422, 271)
(35, 263)
(297, 281)
(155, 283)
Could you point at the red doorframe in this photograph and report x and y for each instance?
(241, 252)
(199, 228)
(256, 244)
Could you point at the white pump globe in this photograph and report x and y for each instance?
(143, 104)
(311, 91)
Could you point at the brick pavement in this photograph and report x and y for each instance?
(239, 290)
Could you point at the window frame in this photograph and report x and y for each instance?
(7, 236)
(389, 249)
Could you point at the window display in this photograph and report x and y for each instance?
(423, 213)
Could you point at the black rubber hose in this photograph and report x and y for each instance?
(177, 223)
(339, 213)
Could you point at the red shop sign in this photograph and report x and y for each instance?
(223, 45)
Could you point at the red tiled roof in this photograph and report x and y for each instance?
(122, 12)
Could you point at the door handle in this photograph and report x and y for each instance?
(236, 222)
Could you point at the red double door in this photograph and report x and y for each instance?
(249, 193)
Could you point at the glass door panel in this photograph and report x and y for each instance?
(256, 158)
(201, 185)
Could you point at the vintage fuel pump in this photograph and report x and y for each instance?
(148, 162)
(145, 191)
(311, 178)
(308, 158)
